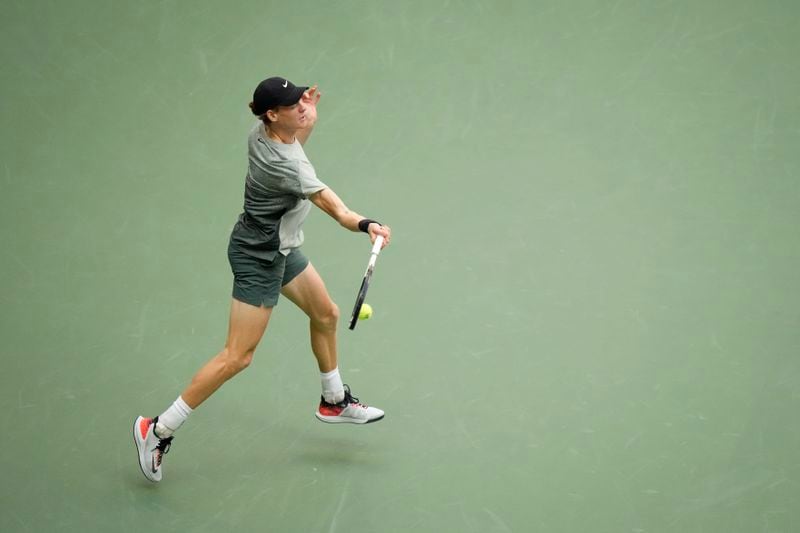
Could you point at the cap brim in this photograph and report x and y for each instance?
(294, 96)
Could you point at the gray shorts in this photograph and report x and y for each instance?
(257, 281)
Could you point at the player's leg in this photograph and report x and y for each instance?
(256, 288)
(246, 327)
(308, 292)
(153, 436)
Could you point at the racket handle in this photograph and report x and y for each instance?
(376, 248)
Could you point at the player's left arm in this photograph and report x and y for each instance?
(309, 99)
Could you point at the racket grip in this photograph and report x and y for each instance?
(376, 248)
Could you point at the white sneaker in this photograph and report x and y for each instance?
(348, 411)
(151, 448)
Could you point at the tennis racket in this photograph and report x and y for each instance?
(362, 292)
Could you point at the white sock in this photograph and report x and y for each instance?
(173, 418)
(332, 388)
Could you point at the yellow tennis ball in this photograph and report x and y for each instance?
(366, 312)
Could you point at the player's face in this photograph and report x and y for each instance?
(293, 116)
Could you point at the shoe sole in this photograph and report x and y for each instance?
(138, 444)
(342, 420)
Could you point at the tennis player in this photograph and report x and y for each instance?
(265, 257)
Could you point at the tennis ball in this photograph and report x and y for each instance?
(366, 312)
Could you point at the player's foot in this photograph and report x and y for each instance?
(151, 448)
(348, 411)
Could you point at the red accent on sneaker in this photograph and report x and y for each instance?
(330, 410)
(144, 425)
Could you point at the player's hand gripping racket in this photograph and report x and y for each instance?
(362, 292)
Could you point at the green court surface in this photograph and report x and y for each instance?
(587, 321)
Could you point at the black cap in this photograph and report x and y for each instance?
(274, 92)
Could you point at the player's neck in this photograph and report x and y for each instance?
(281, 136)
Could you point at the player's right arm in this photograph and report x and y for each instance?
(330, 203)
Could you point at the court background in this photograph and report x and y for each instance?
(587, 320)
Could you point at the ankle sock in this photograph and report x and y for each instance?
(332, 387)
(173, 418)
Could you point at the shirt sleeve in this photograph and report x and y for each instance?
(309, 183)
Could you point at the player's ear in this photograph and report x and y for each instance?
(272, 115)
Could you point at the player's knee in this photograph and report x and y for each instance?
(237, 359)
(328, 318)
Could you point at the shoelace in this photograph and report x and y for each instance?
(349, 398)
(163, 448)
